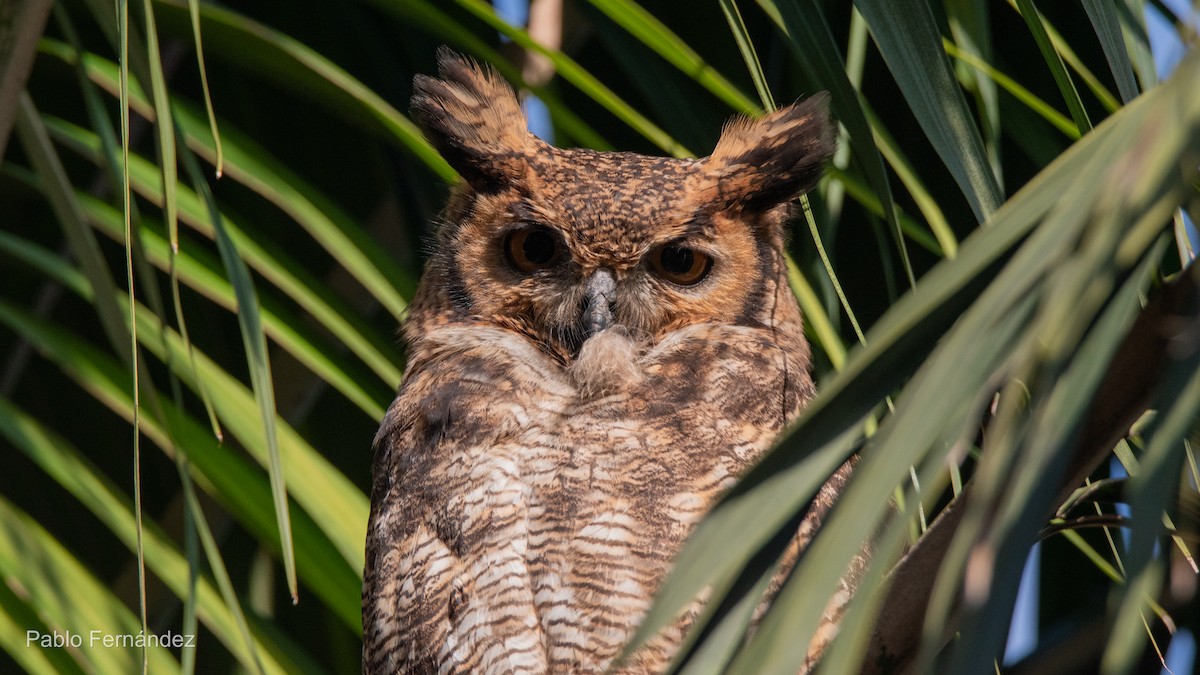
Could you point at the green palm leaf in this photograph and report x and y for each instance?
(1005, 354)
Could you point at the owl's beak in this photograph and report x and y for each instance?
(599, 294)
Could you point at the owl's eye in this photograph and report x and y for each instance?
(680, 265)
(532, 248)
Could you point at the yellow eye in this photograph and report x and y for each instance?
(532, 248)
(680, 265)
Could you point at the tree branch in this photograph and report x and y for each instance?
(1134, 375)
(21, 25)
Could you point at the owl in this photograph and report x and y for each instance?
(601, 344)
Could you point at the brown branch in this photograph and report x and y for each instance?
(21, 25)
(1134, 375)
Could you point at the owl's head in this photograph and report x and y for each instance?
(563, 245)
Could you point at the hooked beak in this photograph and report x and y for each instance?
(598, 297)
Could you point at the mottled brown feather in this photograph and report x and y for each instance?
(761, 162)
(533, 483)
(473, 118)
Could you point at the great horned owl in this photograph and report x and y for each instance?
(601, 344)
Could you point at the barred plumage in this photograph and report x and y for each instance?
(601, 344)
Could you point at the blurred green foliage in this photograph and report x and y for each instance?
(993, 246)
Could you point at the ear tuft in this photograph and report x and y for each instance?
(760, 163)
(471, 115)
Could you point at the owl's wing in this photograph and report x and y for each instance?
(447, 586)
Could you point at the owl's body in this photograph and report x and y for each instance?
(601, 345)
